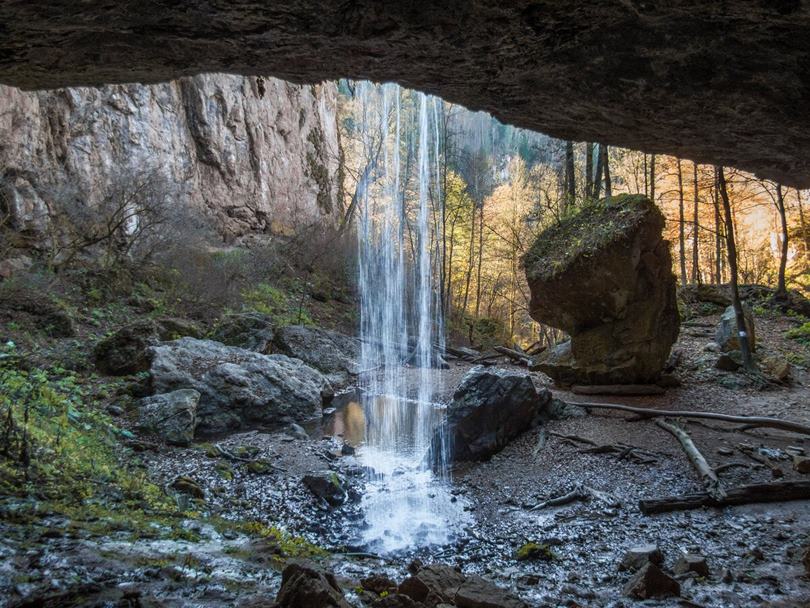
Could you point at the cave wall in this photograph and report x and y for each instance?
(254, 154)
(715, 82)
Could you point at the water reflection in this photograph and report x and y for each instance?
(404, 504)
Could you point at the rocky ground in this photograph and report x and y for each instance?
(246, 503)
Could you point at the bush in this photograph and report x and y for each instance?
(801, 333)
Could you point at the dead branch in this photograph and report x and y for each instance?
(763, 492)
(519, 358)
(580, 492)
(707, 475)
(752, 421)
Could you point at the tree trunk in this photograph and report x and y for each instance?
(480, 259)
(470, 260)
(588, 169)
(606, 163)
(731, 249)
(652, 177)
(646, 178)
(802, 225)
(781, 288)
(600, 165)
(718, 234)
(570, 178)
(695, 229)
(681, 227)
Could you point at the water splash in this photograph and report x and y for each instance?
(407, 502)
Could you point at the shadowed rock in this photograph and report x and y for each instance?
(604, 276)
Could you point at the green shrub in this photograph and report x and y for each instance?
(801, 333)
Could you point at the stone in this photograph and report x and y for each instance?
(252, 331)
(626, 62)
(691, 562)
(476, 592)
(172, 416)
(379, 583)
(336, 355)
(651, 582)
(801, 464)
(114, 410)
(490, 408)
(726, 334)
(604, 276)
(126, 351)
(47, 315)
(328, 486)
(186, 485)
(433, 584)
(305, 585)
(297, 431)
(253, 154)
(729, 362)
(641, 555)
(238, 388)
(396, 600)
(777, 368)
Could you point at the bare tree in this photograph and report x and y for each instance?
(681, 227)
(695, 227)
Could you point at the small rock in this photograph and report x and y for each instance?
(296, 431)
(476, 592)
(729, 362)
(304, 585)
(711, 347)
(651, 582)
(186, 485)
(379, 583)
(801, 464)
(778, 368)
(326, 485)
(691, 562)
(347, 450)
(641, 555)
(725, 451)
(114, 410)
(727, 334)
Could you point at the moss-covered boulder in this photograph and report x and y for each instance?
(604, 276)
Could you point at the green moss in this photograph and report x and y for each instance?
(801, 333)
(276, 303)
(535, 551)
(584, 233)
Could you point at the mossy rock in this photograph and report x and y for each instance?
(261, 466)
(534, 551)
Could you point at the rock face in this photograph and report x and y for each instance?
(172, 416)
(253, 154)
(557, 67)
(237, 387)
(490, 407)
(726, 334)
(605, 277)
(332, 353)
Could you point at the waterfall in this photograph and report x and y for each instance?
(407, 501)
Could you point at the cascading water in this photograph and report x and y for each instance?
(407, 501)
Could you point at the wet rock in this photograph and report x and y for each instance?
(433, 584)
(379, 583)
(172, 416)
(396, 601)
(347, 450)
(186, 485)
(610, 288)
(729, 362)
(726, 334)
(304, 585)
(126, 351)
(476, 592)
(691, 562)
(641, 555)
(237, 387)
(334, 354)
(490, 407)
(297, 431)
(252, 331)
(651, 582)
(114, 410)
(328, 486)
(801, 464)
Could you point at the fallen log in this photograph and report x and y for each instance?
(617, 389)
(707, 475)
(762, 492)
(513, 354)
(753, 421)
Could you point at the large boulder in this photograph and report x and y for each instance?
(238, 387)
(126, 351)
(172, 416)
(490, 407)
(604, 276)
(333, 353)
(727, 335)
(438, 584)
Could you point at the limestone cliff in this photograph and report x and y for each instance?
(254, 154)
